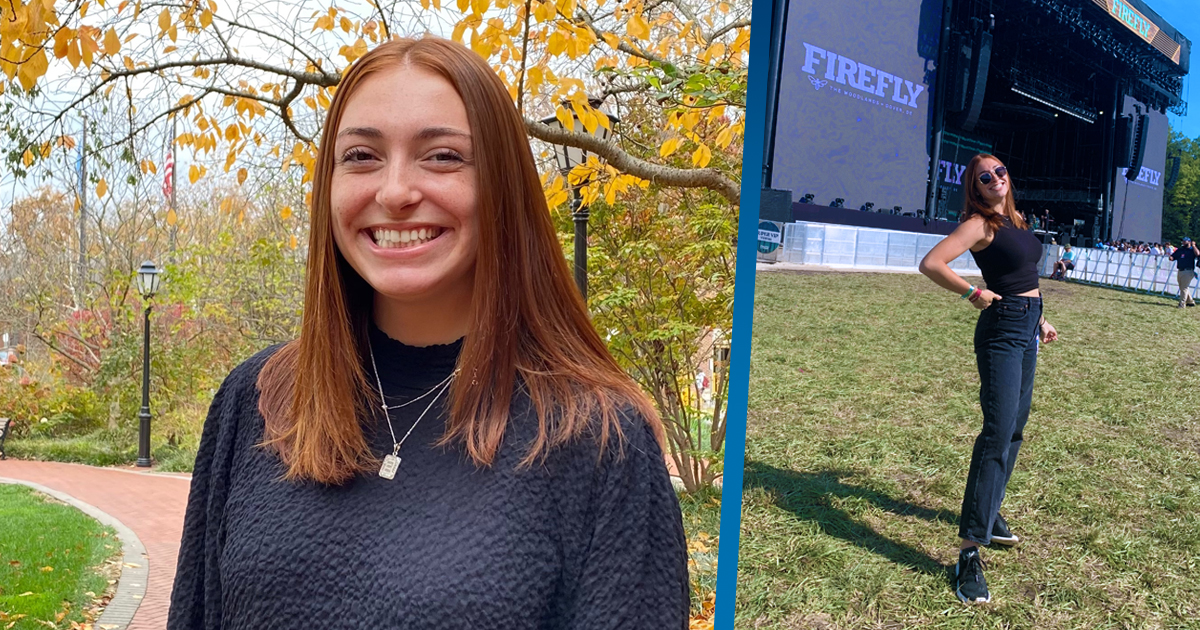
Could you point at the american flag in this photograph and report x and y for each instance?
(168, 171)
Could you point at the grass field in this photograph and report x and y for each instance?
(49, 555)
(863, 410)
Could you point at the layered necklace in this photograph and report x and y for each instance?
(391, 463)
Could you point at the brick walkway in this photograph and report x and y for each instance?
(150, 504)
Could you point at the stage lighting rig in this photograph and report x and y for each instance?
(838, 202)
(808, 198)
(866, 207)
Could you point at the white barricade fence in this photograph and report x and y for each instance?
(1126, 270)
(855, 247)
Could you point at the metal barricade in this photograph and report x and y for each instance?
(851, 247)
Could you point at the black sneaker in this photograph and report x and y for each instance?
(968, 573)
(1001, 535)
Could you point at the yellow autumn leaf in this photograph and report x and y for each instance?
(725, 137)
(61, 39)
(293, 242)
(101, 188)
(206, 19)
(242, 174)
(701, 156)
(565, 119)
(172, 218)
(557, 44)
(112, 43)
(27, 158)
(638, 27)
(669, 147)
(47, 569)
(164, 20)
(285, 213)
(193, 173)
(73, 54)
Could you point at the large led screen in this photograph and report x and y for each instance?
(854, 113)
(1137, 204)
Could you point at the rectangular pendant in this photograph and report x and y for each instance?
(390, 464)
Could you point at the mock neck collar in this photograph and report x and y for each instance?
(404, 368)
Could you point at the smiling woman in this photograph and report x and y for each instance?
(448, 444)
(1007, 334)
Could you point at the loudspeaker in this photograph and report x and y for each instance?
(1078, 241)
(1172, 171)
(960, 76)
(775, 205)
(982, 54)
(1138, 146)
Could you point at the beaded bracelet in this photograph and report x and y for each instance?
(970, 290)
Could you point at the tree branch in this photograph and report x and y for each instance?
(709, 178)
(728, 27)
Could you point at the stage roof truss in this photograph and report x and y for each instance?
(1151, 76)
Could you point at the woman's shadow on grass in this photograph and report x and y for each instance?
(808, 496)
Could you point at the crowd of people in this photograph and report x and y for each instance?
(1137, 247)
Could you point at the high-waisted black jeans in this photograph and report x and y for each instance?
(1006, 347)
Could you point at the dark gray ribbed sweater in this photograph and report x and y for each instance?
(576, 542)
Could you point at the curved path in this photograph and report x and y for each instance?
(148, 505)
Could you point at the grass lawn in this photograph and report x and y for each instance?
(49, 559)
(862, 412)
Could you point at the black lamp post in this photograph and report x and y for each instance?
(567, 159)
(147, 281)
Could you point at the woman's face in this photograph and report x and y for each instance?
(994, 191)
(403, 193)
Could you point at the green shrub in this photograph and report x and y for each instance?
(99, 448)
(48, 407)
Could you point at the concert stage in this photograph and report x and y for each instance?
(842, 216)
(1070, 95)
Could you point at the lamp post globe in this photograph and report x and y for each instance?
(147, 279)
(567, 158)
(147, 283)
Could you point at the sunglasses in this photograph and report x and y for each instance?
(985, 177)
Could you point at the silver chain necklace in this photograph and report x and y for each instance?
(391, 463)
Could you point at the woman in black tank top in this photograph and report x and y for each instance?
(1007, 335)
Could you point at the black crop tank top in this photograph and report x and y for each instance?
(1009, 263)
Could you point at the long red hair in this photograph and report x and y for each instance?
(975, 204)
(529, 324)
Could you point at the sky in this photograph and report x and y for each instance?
(1183, 16)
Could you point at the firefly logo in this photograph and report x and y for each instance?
(859, 76)
(1131, 18)
(817, 83)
